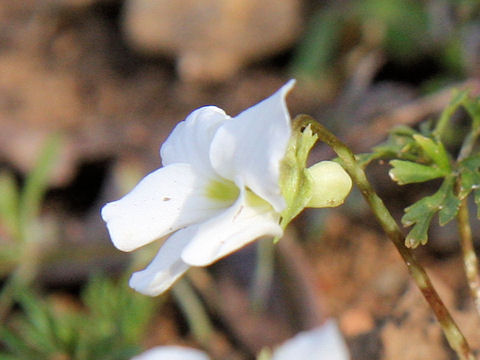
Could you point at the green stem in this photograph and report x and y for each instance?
(452, 333)
(194, 311)
(263, 273)
(468, 144)
(470, 261)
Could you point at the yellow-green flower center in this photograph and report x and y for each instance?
(222, 190)
(254, 200)
(226, 191)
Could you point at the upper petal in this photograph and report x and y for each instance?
(250, 146)
(165, 268)
(190, 141)
(229, 231)
(164, 201)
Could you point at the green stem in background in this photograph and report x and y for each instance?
(194, 311)
(263, 273)
(453, 334)
(21, 211)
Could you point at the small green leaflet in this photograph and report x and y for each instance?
(434, 153)
(407, 172)
(420, 214)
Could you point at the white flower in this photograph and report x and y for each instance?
(172, 353)
(324, 343)
(224, 183)
(218, 190)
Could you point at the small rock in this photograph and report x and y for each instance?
(211, 39)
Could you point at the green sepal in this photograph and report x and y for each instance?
(295, 181)
(407, 172)
(421, 213)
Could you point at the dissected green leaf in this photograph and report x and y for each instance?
(38, 327)
(421, 213)
(399, 141)
(16, 345)
(407, 172)
(421, 156)
(113, 305)
(458, 99)
(419, 233)
(435, 150)
(110, 328)
(473, 109)
(449, 207)
(469, 169)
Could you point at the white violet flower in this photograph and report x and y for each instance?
(225, 182)
(172, 352)
(325, 342)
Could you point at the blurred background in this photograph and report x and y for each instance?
(89, 90)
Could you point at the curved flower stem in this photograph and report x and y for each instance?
(453, 334)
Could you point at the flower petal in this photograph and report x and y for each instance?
(325, 342)
(165, 268)
(250, 146)
(229, 231)
(172, 352)
(190, 141)
(165, 200)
